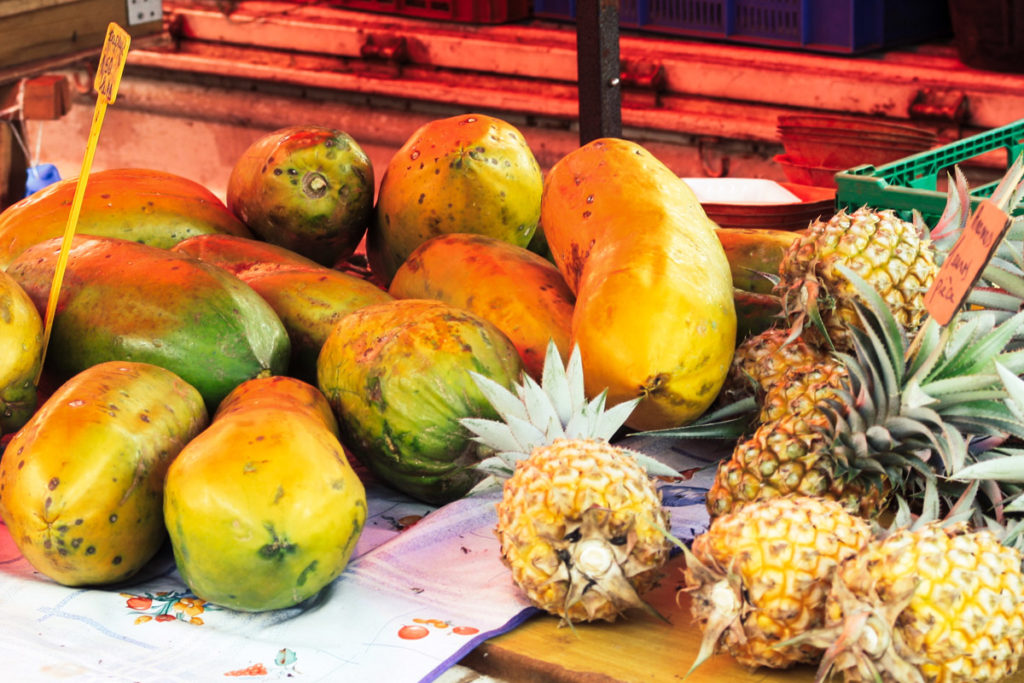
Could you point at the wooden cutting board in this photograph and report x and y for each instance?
(639, 649)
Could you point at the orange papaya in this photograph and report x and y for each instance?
(654, 315)
(236, 254)
(141, 205)
(307, 188)
(82, 483)
(521, 293)
(468, 173)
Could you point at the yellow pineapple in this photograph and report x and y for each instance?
(760, 360)
(895, 256)
(580, 521)
(937, 604)
(581, 527)
(759, 577)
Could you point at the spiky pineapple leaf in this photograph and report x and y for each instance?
(1008, 468)
(504, 402)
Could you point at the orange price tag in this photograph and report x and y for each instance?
(112, 59)
(965, 261)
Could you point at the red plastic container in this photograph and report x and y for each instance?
(467, 11)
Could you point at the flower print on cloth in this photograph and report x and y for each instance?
(168, 606)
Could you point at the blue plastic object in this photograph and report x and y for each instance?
(39, 176)
(842, 26)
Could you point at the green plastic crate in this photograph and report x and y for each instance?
(910, 183)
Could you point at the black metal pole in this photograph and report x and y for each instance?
(598, 68)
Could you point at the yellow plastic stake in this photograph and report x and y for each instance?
(108, 77)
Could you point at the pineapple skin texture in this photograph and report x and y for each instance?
(784, 551)
(965, 619)
(880, 247)
(545, 500)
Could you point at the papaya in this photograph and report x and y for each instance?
(397, 375)
(310, 301)
(654, 315)
(307, 188)
(82, 483)
(262, 508)
(121, 300)
(236, 254)
(21, 354)
(141, 205)
(754, 253)
(514, 288)
(470, 173)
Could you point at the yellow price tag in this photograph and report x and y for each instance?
(108, 77)
(112, 59)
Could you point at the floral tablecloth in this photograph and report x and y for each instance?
(424, 588)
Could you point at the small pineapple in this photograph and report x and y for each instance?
(761, 360)
(580, 521)
(895, 256)
(759, 577)
(932, 603)
(581, 527)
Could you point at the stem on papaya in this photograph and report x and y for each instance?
(315, 184)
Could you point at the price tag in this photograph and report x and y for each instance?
(108, 77)
(112, 59)
(965, 261)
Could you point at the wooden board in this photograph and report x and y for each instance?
(638, 650)
(50, 29)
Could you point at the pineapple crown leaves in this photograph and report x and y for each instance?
(538, 414)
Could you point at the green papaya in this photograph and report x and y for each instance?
(137, 204)
(306, 188)
(21, 354)
(471, 173)
(120, 300)
(81, 484)
(398, 377)
(263, 509)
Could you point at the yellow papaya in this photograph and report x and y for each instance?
(654, 315)
(522, 294)
(263, 508)
(468, 173)
(137, 204)
(21, 354)
(82, 483)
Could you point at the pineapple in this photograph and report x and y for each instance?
(761, 359)
(895, 256)
(581, 527)
(932, 603)
(895, 409)
(580, 522)
(759, 577)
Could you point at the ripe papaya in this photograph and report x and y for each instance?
(310, 301)
(654, 315)
(262, 508)
(141, 205)
(306, 188)
(121, 300)
(469, 173)
(235, 254)
(81, 484)
(753, 253)
(21, 354)
(397, 375)
(517, 290)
